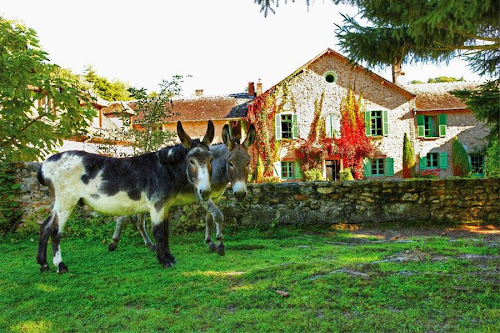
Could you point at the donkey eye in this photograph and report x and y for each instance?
(231, 164)
(191, 162)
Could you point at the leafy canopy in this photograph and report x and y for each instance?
(30, 130)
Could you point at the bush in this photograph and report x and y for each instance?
(431, 174)
(313, 175)
(492, 163)
(346, 174)
(460, 159)
(9, 214)
(408, 158)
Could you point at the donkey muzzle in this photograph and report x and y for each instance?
(240, 191)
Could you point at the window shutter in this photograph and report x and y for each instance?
(277, 169)
(297, 170)
(442, 124)
(389, 166)
(295, 127)
(443, 161)
(420, 126)
(329, 125)
(385, 121)
(368, 123)
(423, 163)
(336, 126)
(470, 163)
(277, 127)
(368, 168)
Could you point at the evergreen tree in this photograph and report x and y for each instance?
(460, 159)
(408, 158)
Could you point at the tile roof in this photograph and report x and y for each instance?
(436, 96)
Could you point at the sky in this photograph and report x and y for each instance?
(220, 44)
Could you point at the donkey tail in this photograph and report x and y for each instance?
(39, 175)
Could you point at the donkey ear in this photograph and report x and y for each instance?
(185, 139)
(250, 139)
(209, 136)
(226, 136)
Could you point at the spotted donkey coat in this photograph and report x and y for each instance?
(151, 183)
(230, 164)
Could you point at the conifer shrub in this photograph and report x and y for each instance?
(460, 159)
(408, 158)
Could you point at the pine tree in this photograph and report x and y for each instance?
(460, 159)
(408, 158)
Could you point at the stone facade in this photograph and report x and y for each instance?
(324, 203)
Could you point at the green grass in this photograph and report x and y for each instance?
(337, 282)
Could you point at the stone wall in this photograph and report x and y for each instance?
(377, 201)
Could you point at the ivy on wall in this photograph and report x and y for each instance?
(9, 213)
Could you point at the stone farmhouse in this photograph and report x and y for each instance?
(428, 113)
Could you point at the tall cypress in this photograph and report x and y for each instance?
(408, 158)
(460, 159)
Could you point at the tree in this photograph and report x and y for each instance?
(30, 130)
(114, 90)
(353, 145)
(408, 158)
(459, 159)
(440, 79)
(420, 30)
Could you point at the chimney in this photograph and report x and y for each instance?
(251, 89)
(198, 92)
(259, 88)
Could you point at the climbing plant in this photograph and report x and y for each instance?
(353, 146)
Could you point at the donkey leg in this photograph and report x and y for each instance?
(120, 222)
(161, 233)
(218, 217)
(59, 222)
(141, 227)
(208, 232)
(45, 232)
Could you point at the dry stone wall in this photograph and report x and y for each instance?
(325, 203)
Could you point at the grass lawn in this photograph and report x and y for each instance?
(335, 281)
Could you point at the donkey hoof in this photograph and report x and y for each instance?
(112, 246)
(62, 268)
(44, 268)
(168, 264)
(212, 248)
(172, 259)
(221, 250)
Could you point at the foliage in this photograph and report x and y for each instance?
(346, 174)
(408, 158)
(432, 174)
(114, 90)
(485, 104)
(9, 214)
(416, 82)
(28, 132)
(312, 175)
(353, 145)
(440, 79)
(422, 30)
(365, 289)
(460, 159)
(492, 163)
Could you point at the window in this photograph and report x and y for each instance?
(330, 77)
(432, 126)
(376, 123)
(332, 125)
(287, 170)
(286, 126)
(378, 167)
(434, 161)
(477, 165)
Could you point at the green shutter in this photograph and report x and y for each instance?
(277, 127)
(385, 121)
(295, 127)
(298, 170)
(389, 166)
(423, 163)
(277, 169)
(420, 126)
(443, 161)
(442, 124)
(368, 168)
(368, 123)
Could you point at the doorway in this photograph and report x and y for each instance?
(332, 170)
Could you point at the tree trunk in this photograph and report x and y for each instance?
(396, 71)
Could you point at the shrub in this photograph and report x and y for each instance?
(346, 174)
(313, 175)
(432, 174)
(9, 213)
(460, 159)
(492, 163)
(408, 158)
